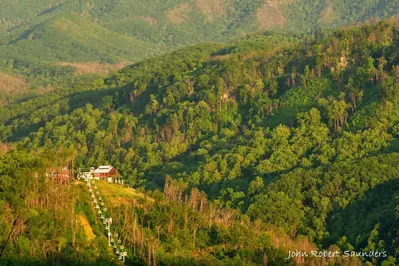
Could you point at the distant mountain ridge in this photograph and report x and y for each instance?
(143, 28)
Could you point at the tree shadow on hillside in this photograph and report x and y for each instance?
(75, 100)
(93, 97)
(374, 210)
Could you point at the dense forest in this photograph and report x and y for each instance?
(274, 142)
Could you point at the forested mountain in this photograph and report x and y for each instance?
(271, 143)
(49, 44)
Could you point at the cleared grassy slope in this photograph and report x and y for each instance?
(117, 195)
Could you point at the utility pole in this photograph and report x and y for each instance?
(73, 165)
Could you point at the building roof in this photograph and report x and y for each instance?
(103, 169)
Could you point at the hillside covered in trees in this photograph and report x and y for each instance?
(274, 142)
(49, 44)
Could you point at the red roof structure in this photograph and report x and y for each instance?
(105, 171)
